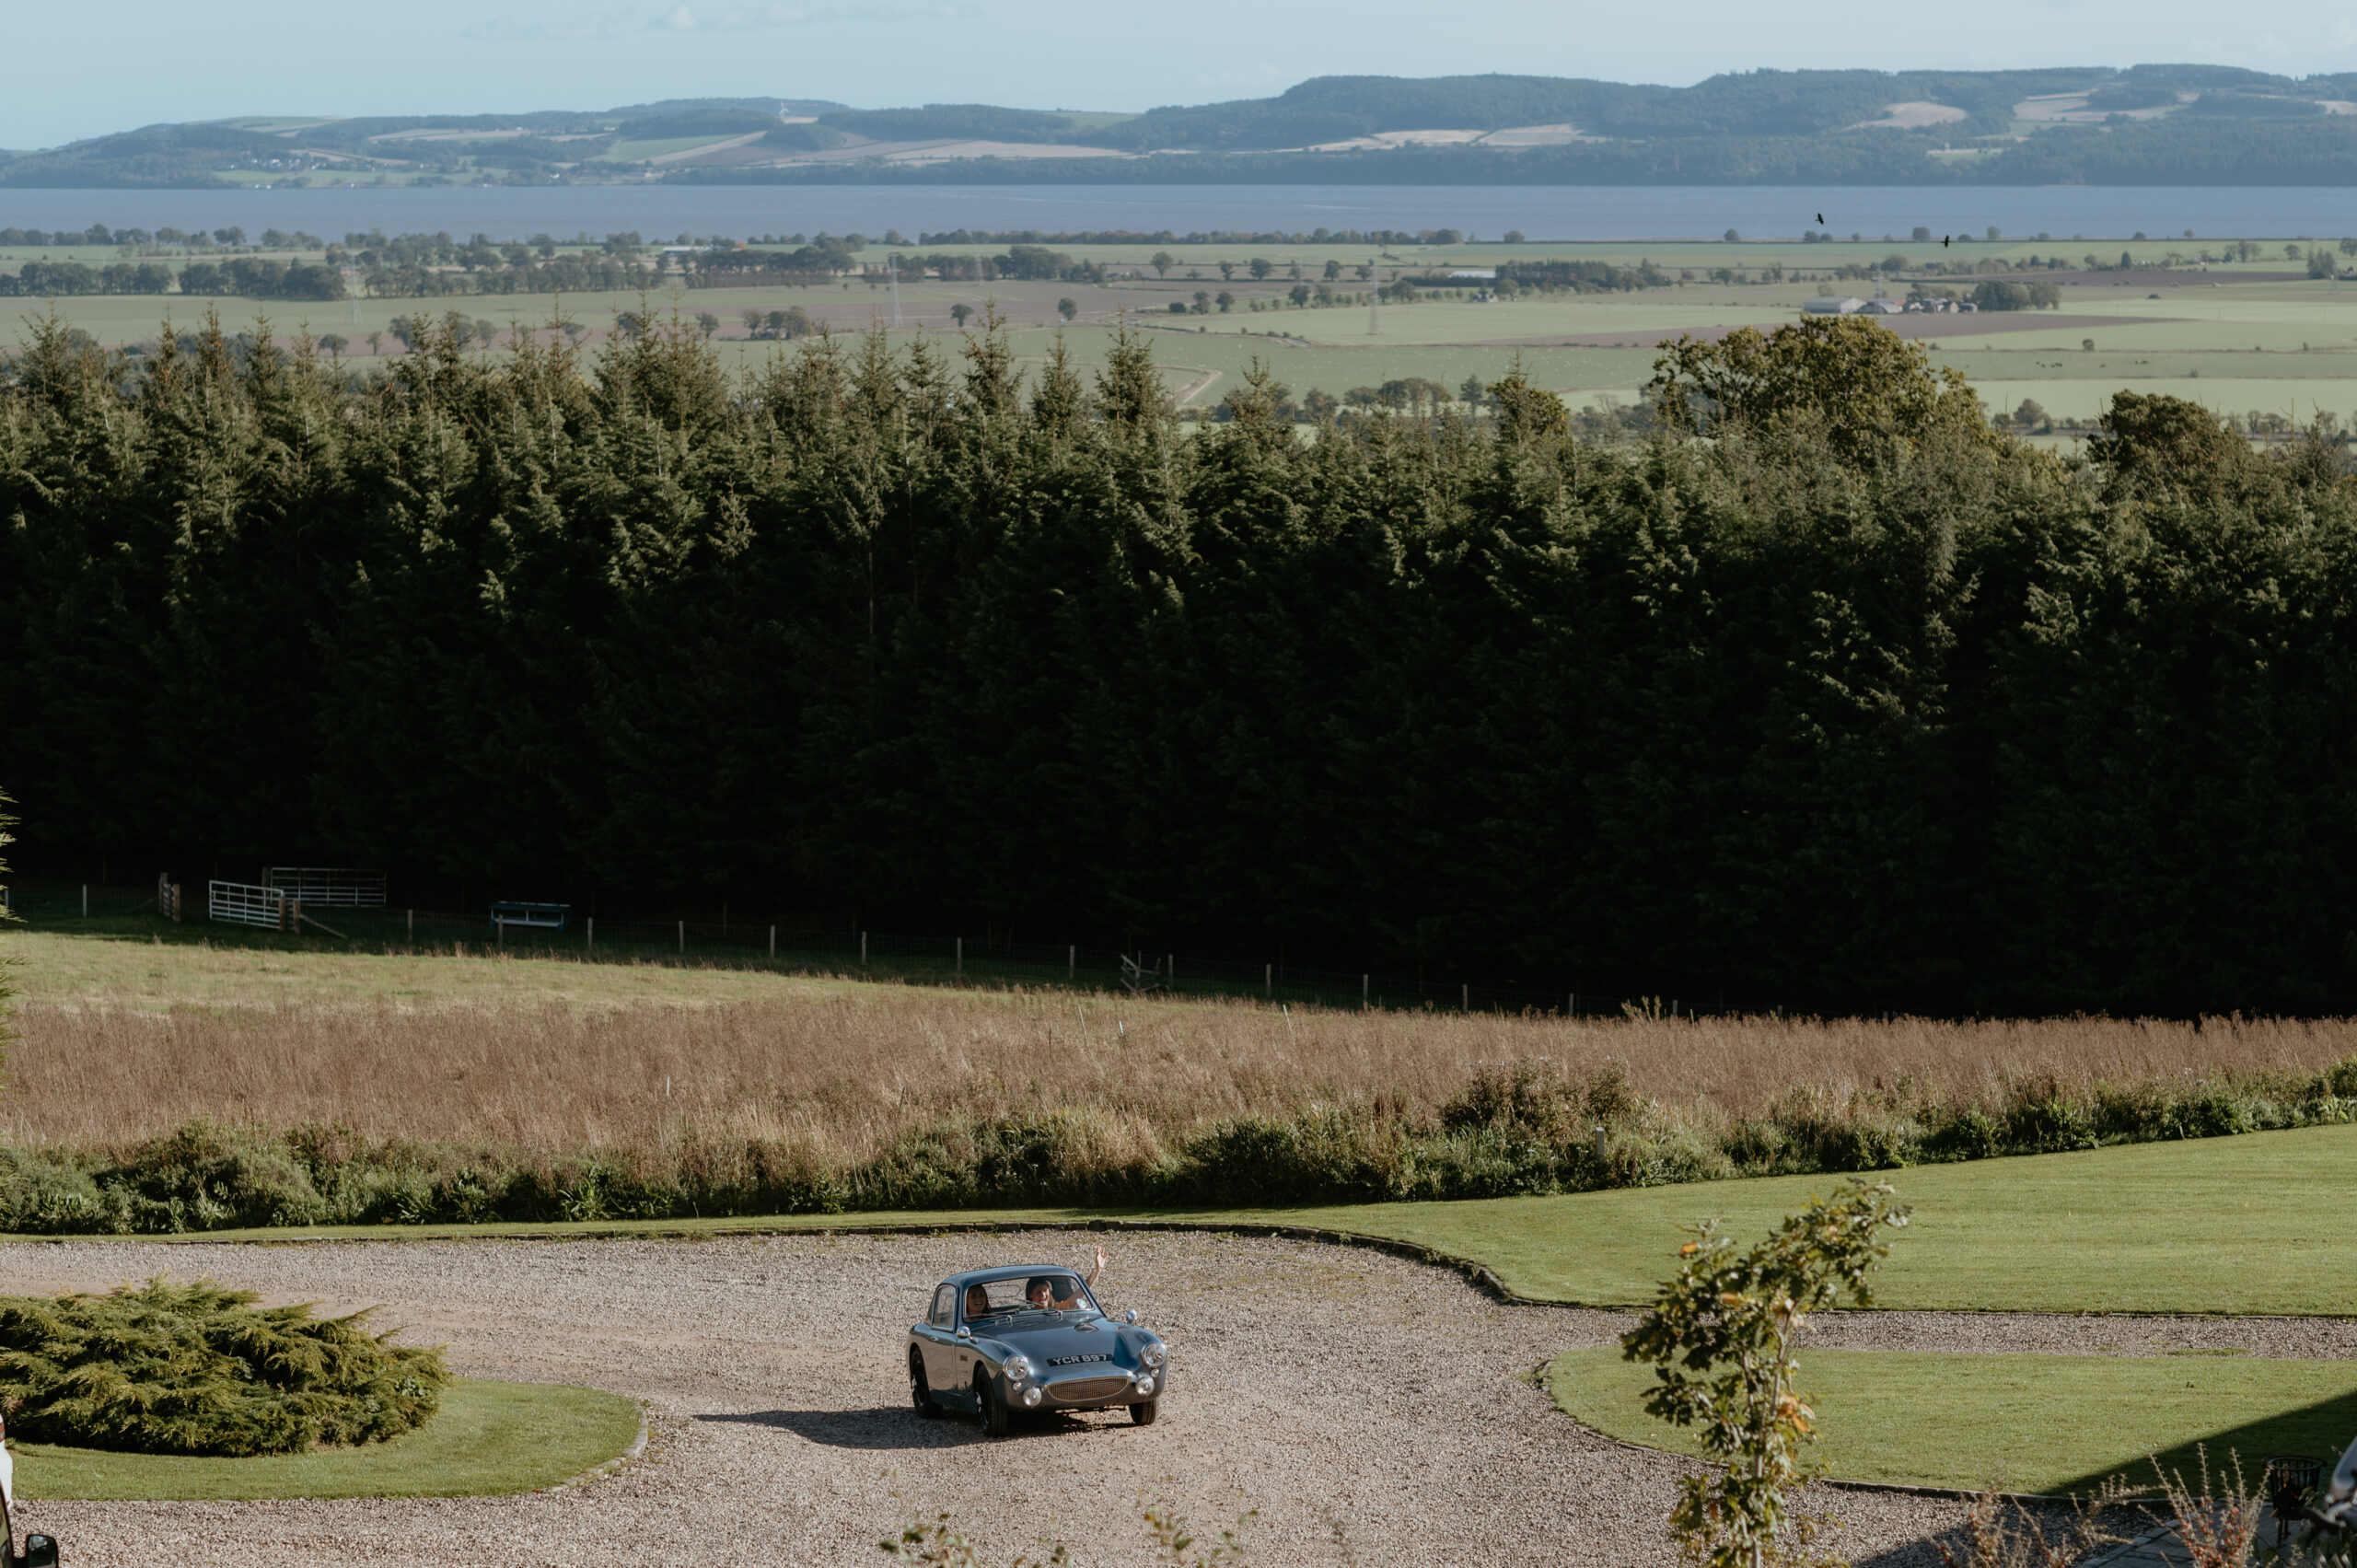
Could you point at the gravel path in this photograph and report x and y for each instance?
(1329, 1388)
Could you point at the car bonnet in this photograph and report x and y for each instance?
(1046, 1340)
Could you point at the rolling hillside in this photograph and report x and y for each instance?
(2147, 124)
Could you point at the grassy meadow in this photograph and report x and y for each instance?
(122, 1039)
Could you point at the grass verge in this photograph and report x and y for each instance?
(2042, 1424)
(2205, 1225)
(488, 1438)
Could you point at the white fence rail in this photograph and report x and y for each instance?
(329, 887)
(242, 904)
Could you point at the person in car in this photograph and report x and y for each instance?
(1041, 1289)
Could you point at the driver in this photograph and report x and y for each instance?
(1041, 1289)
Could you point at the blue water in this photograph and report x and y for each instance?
(1554, 211)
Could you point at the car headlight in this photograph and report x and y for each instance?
(1152, 1354)
(1019, 1369)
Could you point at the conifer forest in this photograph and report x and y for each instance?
(1813, 692)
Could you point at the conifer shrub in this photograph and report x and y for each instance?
(165, 1368)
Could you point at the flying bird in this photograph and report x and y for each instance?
(1820, 220)
(1944, 240)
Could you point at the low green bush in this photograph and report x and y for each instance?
(1511, 1128)
(165, 1368)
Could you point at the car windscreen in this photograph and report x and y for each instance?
(1050, 1290)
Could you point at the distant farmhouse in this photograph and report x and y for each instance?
(1850, 305)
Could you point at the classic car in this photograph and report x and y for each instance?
(998, 1342)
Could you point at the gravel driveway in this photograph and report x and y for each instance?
(1331, 1389)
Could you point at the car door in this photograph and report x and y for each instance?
(959, 1357)
(933, 1339)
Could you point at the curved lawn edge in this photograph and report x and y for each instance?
(2193, 1227)
(1950, 1424)
(489, 1438)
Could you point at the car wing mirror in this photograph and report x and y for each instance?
(964, 1332)
(40, 1551)
(1130, 1315)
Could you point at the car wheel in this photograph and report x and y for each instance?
(1145, 1410)
(920, 1391)
(995, 1416)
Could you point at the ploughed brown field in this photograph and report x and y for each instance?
(846, 1066)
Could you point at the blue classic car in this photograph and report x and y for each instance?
(1030, 1338)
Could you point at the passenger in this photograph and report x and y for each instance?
(1041, 1291)
(977, 1301)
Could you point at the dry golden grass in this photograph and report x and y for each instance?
(845, 1065)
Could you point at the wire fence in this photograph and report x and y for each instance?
(976, 960)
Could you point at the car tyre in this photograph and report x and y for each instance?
(1145, 1410)
(996, 1418)
(920, 1390)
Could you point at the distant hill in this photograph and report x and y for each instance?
(2145, 124)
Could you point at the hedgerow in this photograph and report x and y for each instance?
(1520, 1128)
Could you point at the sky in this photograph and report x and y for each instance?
(145, 60)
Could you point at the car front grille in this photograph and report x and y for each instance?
(1081, 1390)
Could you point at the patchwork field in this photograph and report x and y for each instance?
(2233, 335)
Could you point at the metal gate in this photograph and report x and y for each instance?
(331, 887)
(242, 904)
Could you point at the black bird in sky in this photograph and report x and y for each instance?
(1944, 240)
(1820, 220)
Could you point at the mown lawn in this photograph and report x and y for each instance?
(2240, 1224)
(487, 1438)
(2045, 1424)
(2233, 1226)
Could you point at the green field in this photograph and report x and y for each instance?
(487, 1438)
(2039, 1424)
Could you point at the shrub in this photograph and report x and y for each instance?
(205, 1177)
(1721, 1338)
(162, 1368)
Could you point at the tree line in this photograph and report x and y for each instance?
(1817, 689)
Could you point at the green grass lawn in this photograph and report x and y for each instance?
(2044, 1423)
(487, 1438)
(2240, 1224)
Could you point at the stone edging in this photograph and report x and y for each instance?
(628, 1455)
